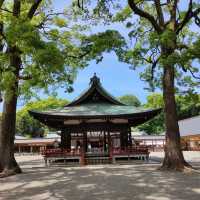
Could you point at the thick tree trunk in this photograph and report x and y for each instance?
(173, 159)
(8, 164)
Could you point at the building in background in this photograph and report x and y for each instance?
(35, 145)
(190, 133)
(154, 142)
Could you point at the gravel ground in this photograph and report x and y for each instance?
(138, 181)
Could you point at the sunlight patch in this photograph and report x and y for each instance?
(86, 186)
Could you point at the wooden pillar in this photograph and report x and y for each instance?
(104, 141)
(68, 140)
(109, 141)
(125, 139)
(83, 148)
(129, 137)
(122, 145)
(63, 143)
(110, 149)
(109, 137)
(85, 143)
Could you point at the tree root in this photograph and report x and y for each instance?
(185, 168)
(10, 172)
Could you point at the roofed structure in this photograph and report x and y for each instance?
(95, 110)
(190, 126)
(95, 105)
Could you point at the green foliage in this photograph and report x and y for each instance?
(154, 100)
(187, 106)
(50, 46)
(99, 43)
(122, 15)
(28, 126)
(131, 100)
(156, 125)
(149, 47)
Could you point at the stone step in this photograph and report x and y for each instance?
(98, 160)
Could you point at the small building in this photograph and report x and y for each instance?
(190, 133)
(96, 124)
(34, 145)
(154, 142)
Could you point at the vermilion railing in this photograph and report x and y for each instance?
(61, 153)
(77, 152)
(131, 150)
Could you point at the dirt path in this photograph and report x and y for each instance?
(106, 182)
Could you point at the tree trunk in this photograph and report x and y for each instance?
(173, 159)
(8, 164)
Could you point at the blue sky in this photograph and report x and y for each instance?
(116, 77)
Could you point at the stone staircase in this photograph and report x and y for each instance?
(97, 158)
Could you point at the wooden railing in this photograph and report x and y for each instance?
(61, 153)
(58, 153)
(137, 150)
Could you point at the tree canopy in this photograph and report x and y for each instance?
(131, 100)
(28, 126)
(187, 106)
(50, 45)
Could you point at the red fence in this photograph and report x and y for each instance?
(61, 153)
(137, 150)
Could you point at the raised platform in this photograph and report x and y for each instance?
(62, 155)
(76, 156)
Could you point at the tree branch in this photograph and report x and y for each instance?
(1, 3)
(153, 68)
(80, 4)
(188, 16)
(197, 19)
(145, 15)
(173, 13)
(6, 10)
(191, 72)
(193, 75)
(47, 18)
(25, 77)
(80, 56)
(159, 12)
(1, 29)
(33, 9)
(182, 46)
(16, 8)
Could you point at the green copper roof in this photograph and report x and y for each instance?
(99, 109)
(95, 102)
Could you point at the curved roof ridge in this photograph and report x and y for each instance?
(95, 84)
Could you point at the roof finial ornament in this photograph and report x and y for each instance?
(95, 79)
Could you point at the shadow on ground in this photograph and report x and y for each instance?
(108, 182)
